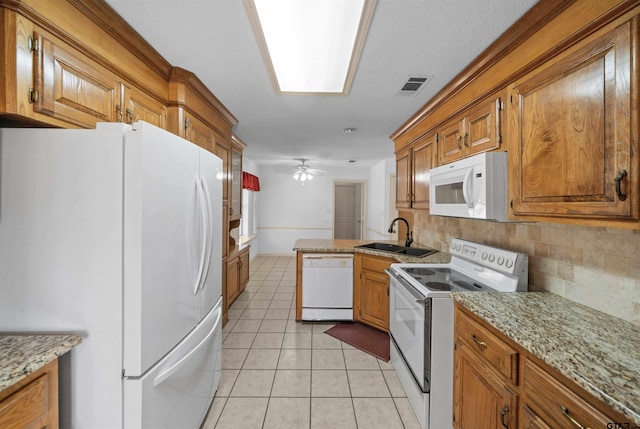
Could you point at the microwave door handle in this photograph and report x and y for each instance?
(466, 189)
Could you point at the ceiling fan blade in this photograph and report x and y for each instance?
(316, 171)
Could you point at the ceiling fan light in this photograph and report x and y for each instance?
(296, 175)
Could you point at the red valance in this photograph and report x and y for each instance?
(250, 182)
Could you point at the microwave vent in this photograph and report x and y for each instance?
(413, 85)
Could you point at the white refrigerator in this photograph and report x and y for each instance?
(115, 234)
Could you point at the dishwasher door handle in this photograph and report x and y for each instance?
(316, 256)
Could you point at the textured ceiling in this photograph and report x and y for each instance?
(213, 39)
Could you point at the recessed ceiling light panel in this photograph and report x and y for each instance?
(311, 46)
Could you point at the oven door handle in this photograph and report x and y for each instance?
(419, 298)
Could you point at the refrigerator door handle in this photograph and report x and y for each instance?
(204, 224)
(176, 366)
(209, 237)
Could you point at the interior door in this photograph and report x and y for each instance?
(347, 214)
(160, 244)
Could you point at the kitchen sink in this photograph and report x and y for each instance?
(415, 251)
(393, 248)
(385, 247)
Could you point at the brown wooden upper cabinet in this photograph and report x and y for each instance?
(477, 131)
(403, 178)
(139, 106)
(412, 173)
(198, 132)
(575, 131)
(69, 86)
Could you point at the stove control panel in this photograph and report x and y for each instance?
(492, 257)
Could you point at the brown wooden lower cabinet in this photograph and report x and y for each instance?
(33, 401)
(498, 384)
(371, 290)
(237, 275)
(555, 404)
(485, 377)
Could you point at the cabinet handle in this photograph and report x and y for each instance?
(480, 343)
(503, 412)
(565, 412)
(408, 198)
(187, 123)
(231, 211)
(459, 140)
(465, 140)
(618, 179)
(129, 115)
(118, 113)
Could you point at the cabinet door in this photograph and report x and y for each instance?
(33, 401)
(554, 402)
(576, 125)
(374, 299)
(403, 179)
(198, 132)
(71, 87)
(142, 107)
(244, 269)
(481, 400)
(450, 138)
(530, 420)
(423, 159)
(233, 280)
(235, 212)
(482, 127)
(221, 149)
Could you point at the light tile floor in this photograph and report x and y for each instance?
(279, 373)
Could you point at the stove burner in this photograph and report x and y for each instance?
(438, 286)
(420, 271)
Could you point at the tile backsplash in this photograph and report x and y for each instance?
(597, 267)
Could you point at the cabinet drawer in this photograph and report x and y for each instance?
(26, 406)
(487, 345)
(530, 420)
(556, 404)
(375, 263)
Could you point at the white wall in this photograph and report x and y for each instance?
(379, 212)
(289, 211)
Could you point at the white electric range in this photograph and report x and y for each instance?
(421, 319)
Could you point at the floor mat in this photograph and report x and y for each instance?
(367, 339)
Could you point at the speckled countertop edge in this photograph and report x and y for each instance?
(599, 352)
(20, 355)
(349, 246)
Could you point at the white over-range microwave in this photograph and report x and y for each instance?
(474, 187)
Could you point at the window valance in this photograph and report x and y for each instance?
(250, 182)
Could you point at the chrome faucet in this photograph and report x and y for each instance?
(409, 238)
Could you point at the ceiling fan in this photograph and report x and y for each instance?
(302, 172)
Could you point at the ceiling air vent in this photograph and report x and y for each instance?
(413, 85)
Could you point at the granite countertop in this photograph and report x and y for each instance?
(349, 246)
(20, 355)
(599, 352)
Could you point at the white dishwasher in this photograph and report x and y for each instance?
(327, 286)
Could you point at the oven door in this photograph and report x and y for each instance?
(409, 327)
